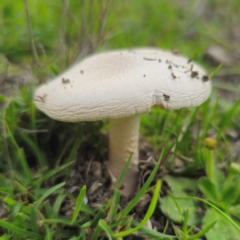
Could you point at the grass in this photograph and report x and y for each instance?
(200, 195)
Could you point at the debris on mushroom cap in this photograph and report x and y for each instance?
(113, 86)
(65, 80)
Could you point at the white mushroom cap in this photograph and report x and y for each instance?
(120, 84)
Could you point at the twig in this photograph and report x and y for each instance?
(82, 29)
(62, 30)
(33, 47)
(61, 37)
(103, 14)
(29, 131)
(90, 27)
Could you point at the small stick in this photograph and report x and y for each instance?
(33, 47)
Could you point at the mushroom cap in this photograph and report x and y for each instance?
(119, 84)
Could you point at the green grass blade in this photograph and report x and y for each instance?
(57, 205)
(33, 218)
(119, 181)
(67, 145)
(86, 225)
(152, 233)
(57, 220)
(15, 211)
(74, 150)
(215, 71)
(185, 222)
(20, 154)
(62, 233)
(79, 204)
(114, 206)
(178, 206)
(228, 117)
(20, 231)
(23, 189)
(100, 214)
(141, 192)
(211, 205)
(5, 237)
(35, 149)
(106, 228)
(32, 108)
(48, 209)
(24, 164)
(88, 210)
(202, 232)
(48, 233)
(96, 233)
(190, 229)
(48, 192)
(147, 216)
(52, 173)
(9, 201)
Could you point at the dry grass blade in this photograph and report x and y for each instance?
(62, 31)
(33, 47)
(87, 42)
(103, 17)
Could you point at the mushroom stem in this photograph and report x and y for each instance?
(123, 140)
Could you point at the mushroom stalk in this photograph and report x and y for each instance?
(123, 140)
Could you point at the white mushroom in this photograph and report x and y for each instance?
(119, 86)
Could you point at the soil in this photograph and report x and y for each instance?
(93, 173)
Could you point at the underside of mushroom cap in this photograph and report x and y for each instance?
(120, 84)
